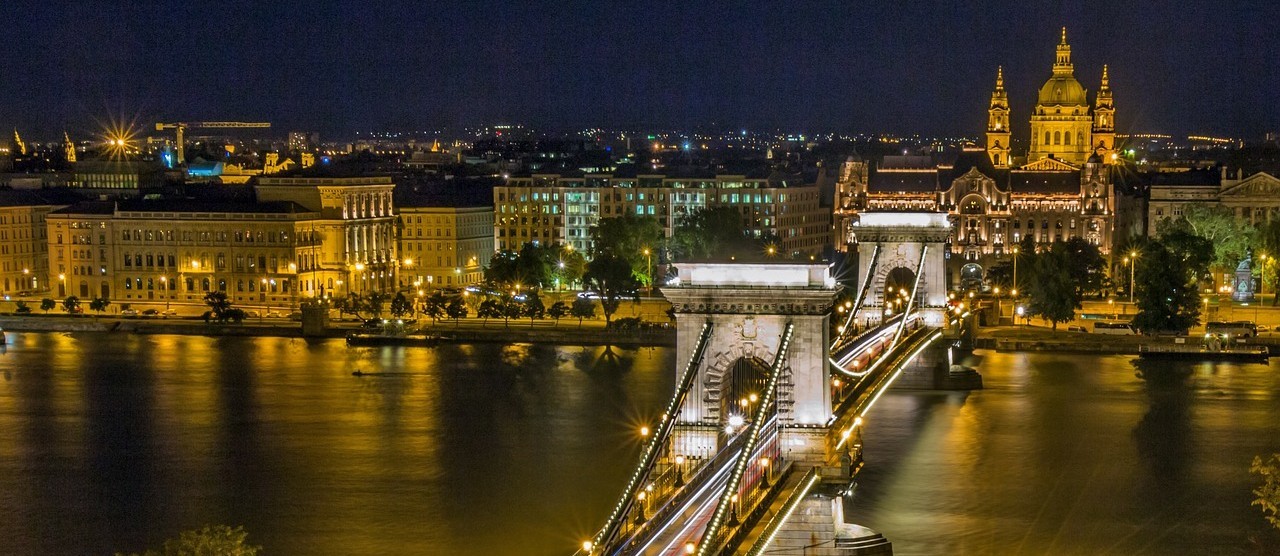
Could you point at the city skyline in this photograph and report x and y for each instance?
(339, 69)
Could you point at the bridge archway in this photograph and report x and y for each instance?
(898, 283)
(749, 306)
(897, 247)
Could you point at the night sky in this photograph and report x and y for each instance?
(904, 67)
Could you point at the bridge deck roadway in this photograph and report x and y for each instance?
(858, 402)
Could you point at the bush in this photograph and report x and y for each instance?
(628, 323)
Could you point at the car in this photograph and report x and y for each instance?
(296, 315)
(373, 323)
(273, 314)
(129, 313)
(169, 313)
(151, 313)
(253, 314)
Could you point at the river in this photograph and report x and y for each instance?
(113, 442)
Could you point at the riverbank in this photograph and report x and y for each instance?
(1037, 338)
(466, 331)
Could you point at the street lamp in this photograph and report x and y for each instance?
(648, 266)
(1262, 276)
(1015, 271)
(1131, 259)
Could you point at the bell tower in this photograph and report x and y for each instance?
(1104, 120)
(998, 123)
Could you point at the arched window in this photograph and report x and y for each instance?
(1066, 139)
(1057, 138)
(1046, 138)
(1079, 137)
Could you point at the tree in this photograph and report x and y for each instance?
(504, 268)
(570, 266)
(218, 304)
(558, 310)
(1268, 493)
(435, 305)
(627, 237)
(583, 308)
(374, 303)
(99, 304)
(1195, 252)
(611, 278)
(456, 309)
(47, 304)
(401, 306)
(22, 308)
(1166, 293)
(489, 308)
(533, 307)
(1229, 236)
(1054, 293)
(1085, 265)
(71, 304)
(1001, 275)
(713, 231)
(511, 308)
(218, 540)
(1268, 269)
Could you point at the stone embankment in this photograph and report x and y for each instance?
(468, 332)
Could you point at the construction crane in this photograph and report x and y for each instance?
(180, 129)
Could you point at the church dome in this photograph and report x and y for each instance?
(1063, 90)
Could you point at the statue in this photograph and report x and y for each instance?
(1244, 279)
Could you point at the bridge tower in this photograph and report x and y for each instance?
(749, 306)
(891, 246)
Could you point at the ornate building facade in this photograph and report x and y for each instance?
(1064, 189)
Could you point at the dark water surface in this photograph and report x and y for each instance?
(114, 442)
(1075, 454)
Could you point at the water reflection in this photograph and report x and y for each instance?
(1164, 434)
(113, 442)
(1072, 454)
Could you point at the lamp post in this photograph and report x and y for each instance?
(360, 270)
(648, 266)
(1015, 271)
(1132, 258)
(1262, 276)
(164, 285)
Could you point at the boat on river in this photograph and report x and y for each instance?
(378, 339)
(1255, 354)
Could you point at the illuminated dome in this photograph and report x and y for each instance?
(1062, 90)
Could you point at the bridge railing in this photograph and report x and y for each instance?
(655, 446)
(864, 394)
(672, 498)
(721, 526)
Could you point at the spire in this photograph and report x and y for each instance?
(18, 146)
(1062, 65)
(69, 147)
(1000, 77)
(1104, 91)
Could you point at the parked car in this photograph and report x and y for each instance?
(151, 313)
(296, 315)
(274, 314)
(253, 314)
(373, 323)
(129, 313)
(169, 312)
(1120, 328)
